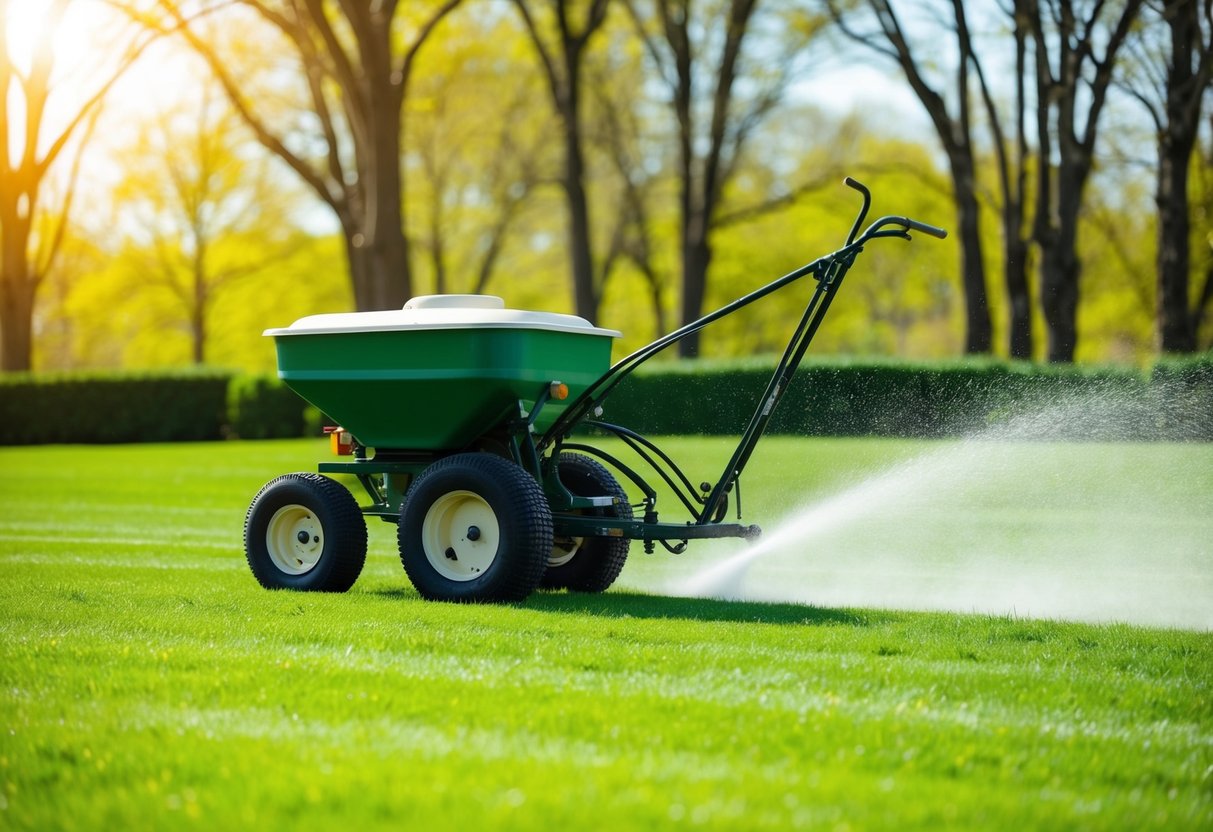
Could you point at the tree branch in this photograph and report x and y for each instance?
(761, 209)
(44, 259)
(56, 147)
(410, 55)
(545, 57)
(338, 202)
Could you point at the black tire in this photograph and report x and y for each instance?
(593, 563)
(295, 506)
(475, 527)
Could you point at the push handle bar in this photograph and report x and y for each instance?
(905, 222)
(863, 210)
(902, 226)
(933, 230)
(828, 271)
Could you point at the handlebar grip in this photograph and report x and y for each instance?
(934, 231)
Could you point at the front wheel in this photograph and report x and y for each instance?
(305, 532)
(475, 527)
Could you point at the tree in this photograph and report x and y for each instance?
(1011, 157)
(1203, 241)
(952, 126)
(31, 230)
(705, 43)
(639, 172)
(1172, 87)
(900, 297)
(561, 45)
(356, 66)
(476, 151)
(204, 214)
(1072, 82)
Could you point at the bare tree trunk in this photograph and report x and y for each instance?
(696, 257)
(654, 284)
(437, 252)
(978, 334)
(388, 282)
(1175, 323)
(955, 135)
(1081, 81)
(198, 331)
(585, 300)
(706, 158)
(1188, 72)
(17, 284)
(1204, 302)
(372, 267)
(620, 127)
(16, 307)
(198, 302)
(562, 68)
(1060, 272)
(1015, 270)
(1012, 178)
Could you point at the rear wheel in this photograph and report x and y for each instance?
(589, 564)
(475, 527)
(306, 532)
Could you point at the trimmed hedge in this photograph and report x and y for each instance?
(1184, 389)
(839, 397)
(112, 407)
(263, 407)
(881, 398)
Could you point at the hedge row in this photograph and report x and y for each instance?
(956, 398)
(112, 407)
(174, 406)
(826, 398)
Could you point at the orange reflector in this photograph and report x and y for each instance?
(559, 391)
(341, 442)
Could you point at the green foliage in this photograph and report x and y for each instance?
(900, 298)
(161, 406)
(112, 407)
(263, 407)
(1184, 387)
(872, 397)
(148, 682)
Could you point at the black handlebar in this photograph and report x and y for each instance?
(934, 231)
(908, 223)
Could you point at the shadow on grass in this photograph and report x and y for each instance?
(640, 605)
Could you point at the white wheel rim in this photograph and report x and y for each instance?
(294, 539)
(564, 549)
(460, 535)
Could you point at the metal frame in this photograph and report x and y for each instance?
(708, 508)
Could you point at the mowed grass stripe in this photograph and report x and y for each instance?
(823, 733)
(149, 683)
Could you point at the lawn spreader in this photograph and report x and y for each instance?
(471, 427)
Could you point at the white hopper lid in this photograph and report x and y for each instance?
(442, 312)
(455, 302)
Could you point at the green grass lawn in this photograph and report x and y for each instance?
(146, 681)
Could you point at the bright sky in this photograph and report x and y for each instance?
(865, 87)
(87, 45)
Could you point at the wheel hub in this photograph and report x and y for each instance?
(460, 535)
(563, 550)
(294, 539)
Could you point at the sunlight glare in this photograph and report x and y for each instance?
(27, 24)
